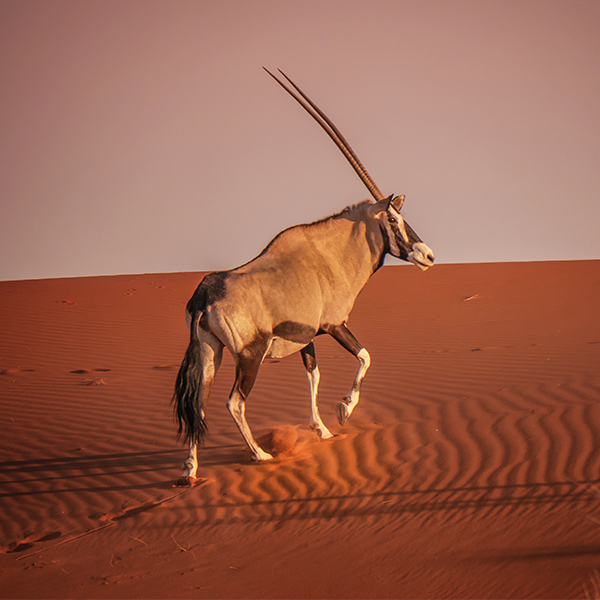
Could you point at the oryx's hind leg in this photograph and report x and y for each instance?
(248, 363)
(211, 351)
(312, 372)
(342, 335)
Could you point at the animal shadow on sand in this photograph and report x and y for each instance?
(461, 501)
(85, 473)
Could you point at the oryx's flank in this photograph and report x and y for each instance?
(303, 284)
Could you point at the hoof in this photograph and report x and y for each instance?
(323, 433)
(186, 481)
(342, 413)
(263, 456)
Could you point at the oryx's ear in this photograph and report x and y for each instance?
(397, 202)
(380, 208)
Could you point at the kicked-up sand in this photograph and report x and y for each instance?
(469, 469)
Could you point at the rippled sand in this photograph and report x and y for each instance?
(470, 468)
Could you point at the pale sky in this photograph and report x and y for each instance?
(144, 136)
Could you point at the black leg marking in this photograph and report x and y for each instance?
(308, 357)
(312, 371)
(248, 364)
(246, 376)
(342, 335)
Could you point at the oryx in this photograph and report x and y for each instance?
(303, 284)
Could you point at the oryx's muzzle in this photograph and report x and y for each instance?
(422, 256)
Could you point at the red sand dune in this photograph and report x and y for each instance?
(470, 468)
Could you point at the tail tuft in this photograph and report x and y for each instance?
(187, 400)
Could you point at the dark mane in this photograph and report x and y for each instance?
(346, 212)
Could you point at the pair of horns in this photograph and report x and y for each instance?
(331, 130)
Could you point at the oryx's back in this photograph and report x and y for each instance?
(307, 277)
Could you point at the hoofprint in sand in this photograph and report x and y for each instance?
(470, 467)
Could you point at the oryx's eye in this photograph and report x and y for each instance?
(392, 219)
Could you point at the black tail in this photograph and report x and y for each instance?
(187, 399)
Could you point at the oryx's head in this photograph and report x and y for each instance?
(402, 241)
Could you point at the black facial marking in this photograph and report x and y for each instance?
(404, 247)
(387, 235)
(413, 238)
(295, 332)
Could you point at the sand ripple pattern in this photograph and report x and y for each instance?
(462, 414)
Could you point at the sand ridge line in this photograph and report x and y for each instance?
(91, 382)
(136, 510)
(66, 541)
(114, 517)
(16, 371)
(29, 540)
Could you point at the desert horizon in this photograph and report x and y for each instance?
(470, 467)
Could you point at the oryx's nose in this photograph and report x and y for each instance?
(431, 258)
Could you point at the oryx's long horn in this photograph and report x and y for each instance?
(332, 131)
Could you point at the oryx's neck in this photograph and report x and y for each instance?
(338, 255)
(350, 246)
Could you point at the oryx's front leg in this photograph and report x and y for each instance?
(312, 372)
(342, 335)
